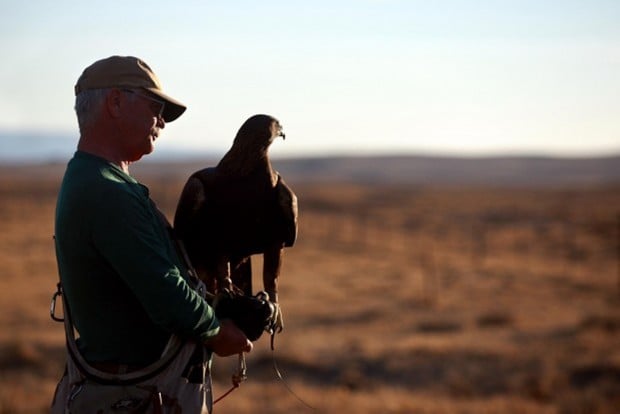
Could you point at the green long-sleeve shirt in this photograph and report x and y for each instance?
(125, 285)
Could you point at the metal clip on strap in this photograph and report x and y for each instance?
(53, 304)
(242, 371)
(237, 378)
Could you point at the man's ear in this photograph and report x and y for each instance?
(114, 102)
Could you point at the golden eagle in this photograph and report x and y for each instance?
(236, 209)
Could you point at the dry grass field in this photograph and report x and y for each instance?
(397, 299)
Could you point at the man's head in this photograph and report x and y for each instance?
(131, 73)
(120, 104)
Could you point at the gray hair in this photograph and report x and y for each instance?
(87, 105)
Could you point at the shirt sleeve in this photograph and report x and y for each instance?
(130, 237)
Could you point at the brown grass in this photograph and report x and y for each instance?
(396, 300)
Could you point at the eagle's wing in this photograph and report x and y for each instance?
(285, 232)
(190, 204)
(287, 202)
(192, 222)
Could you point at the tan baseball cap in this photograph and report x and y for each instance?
(127, 72)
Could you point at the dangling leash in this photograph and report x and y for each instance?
(241, 375)
(279, 374)
(237, 378)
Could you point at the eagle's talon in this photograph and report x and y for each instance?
(278, 321)
(225, 284)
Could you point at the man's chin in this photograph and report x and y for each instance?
(146, 151)
(149, 148)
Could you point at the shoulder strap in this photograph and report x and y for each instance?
(172, 349)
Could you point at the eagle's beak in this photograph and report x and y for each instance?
(282, 134)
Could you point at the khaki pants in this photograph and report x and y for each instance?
(166, 392)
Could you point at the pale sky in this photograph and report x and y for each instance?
(343, 77)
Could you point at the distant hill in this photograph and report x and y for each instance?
(502, 171)
(428, 170)
(33, 152)
(33, 146)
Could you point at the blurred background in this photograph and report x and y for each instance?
(457, 165)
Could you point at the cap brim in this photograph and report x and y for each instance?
(173, 108)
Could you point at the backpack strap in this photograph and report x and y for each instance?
(171, 351)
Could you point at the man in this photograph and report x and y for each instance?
(123, 280)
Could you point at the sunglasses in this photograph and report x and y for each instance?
(159, 110)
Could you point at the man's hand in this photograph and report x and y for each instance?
(230, 340)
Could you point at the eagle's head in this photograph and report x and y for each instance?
(251, 145)
(258, 132)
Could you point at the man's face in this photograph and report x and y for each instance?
(142, 124)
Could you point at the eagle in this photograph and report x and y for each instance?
(239, 208)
